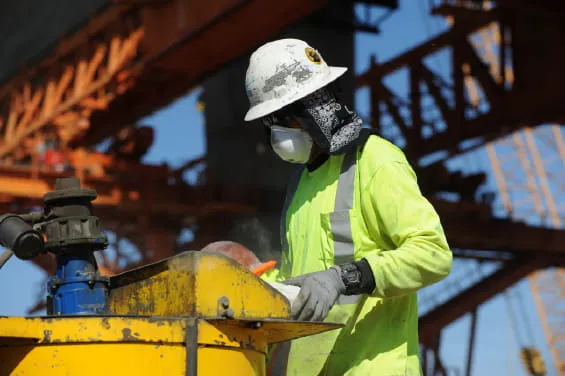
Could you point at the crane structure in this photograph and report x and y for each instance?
(492, 96)
(132, 57)
(530, 189)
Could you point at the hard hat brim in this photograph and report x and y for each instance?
(266, 108)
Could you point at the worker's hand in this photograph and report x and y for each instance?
(318, 293)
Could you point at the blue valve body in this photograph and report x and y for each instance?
(76, 289)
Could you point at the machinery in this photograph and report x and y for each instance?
(198, 313)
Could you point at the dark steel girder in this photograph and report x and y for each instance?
(510, 105)
(377, 71)
(475, 229)
(455, 116)
(431, 324)
(482, 256)
(475, 234)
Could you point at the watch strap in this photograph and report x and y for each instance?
(357, 277)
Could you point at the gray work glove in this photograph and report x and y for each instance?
(318, 293)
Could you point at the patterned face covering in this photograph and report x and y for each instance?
(332, 126)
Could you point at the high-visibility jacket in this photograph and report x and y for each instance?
(364, 204)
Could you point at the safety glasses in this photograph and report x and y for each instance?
(272, 120)
(285, 117)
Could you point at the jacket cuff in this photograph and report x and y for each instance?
(367, 277)
(372, 260)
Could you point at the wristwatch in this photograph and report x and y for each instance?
(351, 277)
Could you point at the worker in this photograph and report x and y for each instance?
(358, 237)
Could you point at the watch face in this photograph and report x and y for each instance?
(351, 275)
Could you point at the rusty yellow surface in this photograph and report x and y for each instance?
(92, 329)
(126, 346)
(193, 284)
(130, 359)
(194, 312)
(232, 335)
(92, 346)
(140, 345)
(211, 361)
(87, 359)
(278, 330)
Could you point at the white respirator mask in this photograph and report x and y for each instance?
(290, 144)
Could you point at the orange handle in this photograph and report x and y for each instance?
(264, 267)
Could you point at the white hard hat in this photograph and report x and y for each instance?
(282, 72)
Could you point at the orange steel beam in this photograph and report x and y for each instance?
(66, 98)
(130, 60)
(138, 192)
(206, 37)
(135, 201)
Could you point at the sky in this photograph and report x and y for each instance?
(180, 137)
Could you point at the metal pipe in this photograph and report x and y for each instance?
(471, 348)
(5, 256)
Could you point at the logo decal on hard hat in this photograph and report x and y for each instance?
(313, 55)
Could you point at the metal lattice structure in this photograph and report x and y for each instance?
(529, 170)
(65, 101)
(462, 112)
(531, 191)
